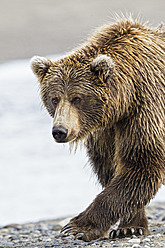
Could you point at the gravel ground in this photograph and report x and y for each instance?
(46, 234)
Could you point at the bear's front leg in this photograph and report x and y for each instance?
(122, 198)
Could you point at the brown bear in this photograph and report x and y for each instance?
(110, 92)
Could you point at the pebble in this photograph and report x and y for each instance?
(134, 241)
(117, 245)
(7, 243)
(48, 240)
(156, 236)
(146, 240)
(135, 246)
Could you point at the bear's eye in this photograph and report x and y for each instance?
(76, 100)
(55, 101)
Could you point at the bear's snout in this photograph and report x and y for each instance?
(59, 133)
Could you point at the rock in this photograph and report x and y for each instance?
(135, 246)
(56, 227)
(146, 240)
(8, 243)
(118, 245)
(134, 241)
(156, 236)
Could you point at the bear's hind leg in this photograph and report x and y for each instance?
(138, 225)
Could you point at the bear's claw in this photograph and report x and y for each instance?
(126, 232)
(67, 229)
(70, 230)
(79, 235)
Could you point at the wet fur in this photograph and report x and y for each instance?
(121, 118)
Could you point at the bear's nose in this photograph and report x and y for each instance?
(59, 133)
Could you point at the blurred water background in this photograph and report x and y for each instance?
(40, 179)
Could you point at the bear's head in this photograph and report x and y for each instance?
(74, 93)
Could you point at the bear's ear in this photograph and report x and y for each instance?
(103, 66)
(40, 66)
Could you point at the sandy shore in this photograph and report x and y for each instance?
(47, 27)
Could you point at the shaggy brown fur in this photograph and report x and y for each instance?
(111, 93)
